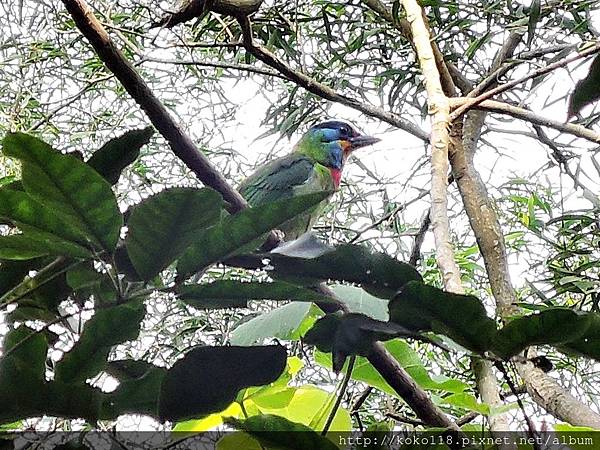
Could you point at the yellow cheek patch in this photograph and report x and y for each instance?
(346, 145)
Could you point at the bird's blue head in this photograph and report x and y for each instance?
(330, 143)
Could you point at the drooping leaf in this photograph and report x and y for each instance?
(278, 432)
(108, 327)
(306, 246)
(69, 187)
(587, 344)
(534, 17)
(234, 233)
(408, 359)
(462, 318)
(110, 160)
(22, 369)
(285, 322)
(350, 334)
(34, 219)
(551, 326)
(586, 90)
(236, 294)
(23, 247)
(208, 379)
(379, 274)
(164, 225)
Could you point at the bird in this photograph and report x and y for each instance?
(315, 164)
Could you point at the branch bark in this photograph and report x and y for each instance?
(439, 109)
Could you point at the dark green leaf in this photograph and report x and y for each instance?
(69, 187)
(110, 160)
(534, 17)
(460, 317)
(163, 226)
(22, 370)
(379, 274)
(237, 231)
(551, 326)
(236, 294)
(30, 246)
(136, 395)
(278, 432)
(587, 344)
(35, 219)
(587, 90)
(108, 327)
(208, 379)
(350, 334)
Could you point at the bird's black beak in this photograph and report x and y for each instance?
(362, 141)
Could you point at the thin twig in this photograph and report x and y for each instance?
(340, 396)
(470, 103)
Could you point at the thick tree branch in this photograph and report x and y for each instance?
(449, 75)
(181, 144)
(439, 109)
(486, 227)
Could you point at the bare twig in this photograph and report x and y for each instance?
(529, 116)
(470, 103)
(320, 89)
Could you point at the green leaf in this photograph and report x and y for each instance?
(274, 431)
(587, 344)
(208, 379)
(69, 187)
(22, 370)
(110, 160)
(23, 247)
(239, 230)
(379, 274)
(408, 359)
(108, 327)
(236, 294)
(551, 326)
(587, 90)
(460, 317)
(136, 395)
(282, 323)
(467, 401)
(34, 219)
(359, 301)
(162, 226)
(534, 18)
(350, 334)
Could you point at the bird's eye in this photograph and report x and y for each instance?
(345, 131)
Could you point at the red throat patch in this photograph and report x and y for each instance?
(336, 175)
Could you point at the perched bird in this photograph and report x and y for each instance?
(315, 164)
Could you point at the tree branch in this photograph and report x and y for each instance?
(470, 103)
(322, 90)
(439, 109)
(529, 116)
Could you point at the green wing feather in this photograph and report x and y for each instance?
(277, 180)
